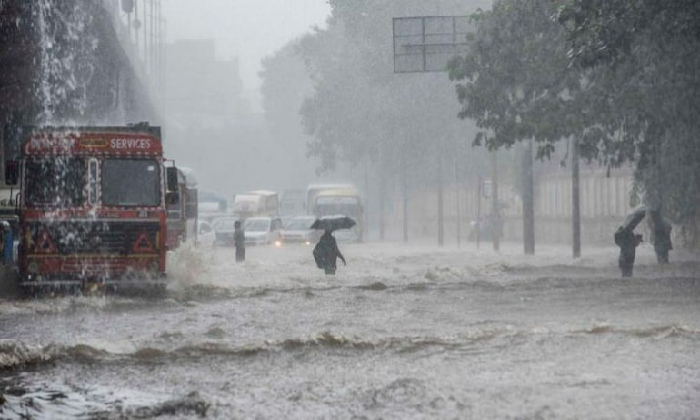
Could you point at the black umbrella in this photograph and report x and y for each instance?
(333, 223)
(633, 219)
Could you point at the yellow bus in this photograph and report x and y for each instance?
(337, 199)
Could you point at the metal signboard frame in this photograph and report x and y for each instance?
(427, 43)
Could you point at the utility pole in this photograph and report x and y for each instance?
(145, 36)
(478, 211)
(495, 210)
(404, 193)
(137, 26)
(382, 190)
(366, 203)
(459, 217)
(576, 200)
(440, 209)
(528, 202)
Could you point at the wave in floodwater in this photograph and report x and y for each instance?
(15, 355)
(191, 284)
(59, 400)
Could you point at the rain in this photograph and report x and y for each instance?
(385, 209)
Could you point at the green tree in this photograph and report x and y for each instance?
(515, 79)
(643, 57)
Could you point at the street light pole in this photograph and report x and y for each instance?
(495, 211)
(576, 200)
(528, 201)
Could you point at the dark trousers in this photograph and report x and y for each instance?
(626, 263)
(240, 254)
(661, 255)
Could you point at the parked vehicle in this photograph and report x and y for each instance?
(262, 230)
(224, 229)
(298, 230)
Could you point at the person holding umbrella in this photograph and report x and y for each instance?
(661, 236)
(628, 241)
(326, 252)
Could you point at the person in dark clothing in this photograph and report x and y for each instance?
(239, 241)
(628, 241)
(326, 253)
(661, 237)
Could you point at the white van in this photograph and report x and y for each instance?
(262, 230)
(256, 203)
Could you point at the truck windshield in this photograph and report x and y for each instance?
(257, 225)
(56, 182)
(330, 206)
(300, 223)
(130, 182)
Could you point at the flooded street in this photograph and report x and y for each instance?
(131, 128)
(402, 332)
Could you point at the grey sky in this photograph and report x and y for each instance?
(247, 29)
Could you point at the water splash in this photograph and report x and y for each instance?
(186, 266)
(67, 59)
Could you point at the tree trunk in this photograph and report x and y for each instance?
(528, 202)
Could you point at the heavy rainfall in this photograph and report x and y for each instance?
(349, 209)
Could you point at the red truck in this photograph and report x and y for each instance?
(181, 204)
(92, 208)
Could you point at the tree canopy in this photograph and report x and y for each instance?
(619, 76)
(649, 49)
(516, 83)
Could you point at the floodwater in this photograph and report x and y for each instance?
(402, 332)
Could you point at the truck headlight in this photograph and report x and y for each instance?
(33, 267)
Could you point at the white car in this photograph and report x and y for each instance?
(225, 227)
(205, 234)
(298, 230)
(262, 230)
